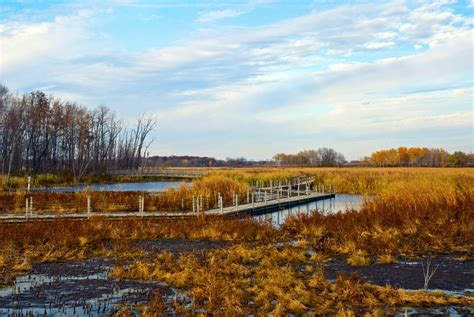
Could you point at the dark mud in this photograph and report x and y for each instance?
(73, 288)
(452, 275)
(83, 288)
(180, 246)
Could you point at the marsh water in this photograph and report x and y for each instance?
(84, 288)
(341, 202)
(72, 288)
(115, 187)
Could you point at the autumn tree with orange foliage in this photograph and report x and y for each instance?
(413, 156)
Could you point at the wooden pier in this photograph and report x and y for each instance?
(257, 201)
(257, 208)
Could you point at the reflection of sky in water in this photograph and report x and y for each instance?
(70, 293)
(342, 202)
(125, 187)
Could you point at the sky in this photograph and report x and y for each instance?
(254, 78)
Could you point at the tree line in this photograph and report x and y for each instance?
(419, 157)
(43, 134)
(324, 157)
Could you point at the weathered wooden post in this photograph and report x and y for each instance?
(201, 204)
(248, 196)
(236, 200)
(265, 197)
(27, 208)
(298, 187)
(253, 198)
(88, 206)
(221, 207)
(31, 205)
(194, 205)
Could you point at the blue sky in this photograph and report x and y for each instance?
(253, 78)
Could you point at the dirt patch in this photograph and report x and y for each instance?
(451, 275)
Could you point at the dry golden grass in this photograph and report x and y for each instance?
(416, 211)
(262, 280)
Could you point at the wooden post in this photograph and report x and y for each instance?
(201, 204)
(253, 198)
(248, 196)
(298, 186)
(31, 205)
(221, 207)
(194, 205)
(88, 206)
(265, 197)
(27, 208)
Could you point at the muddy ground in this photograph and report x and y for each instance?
(82, 288)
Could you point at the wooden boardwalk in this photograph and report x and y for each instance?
(256, 208)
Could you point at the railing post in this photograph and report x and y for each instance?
(219, 202)
(88, 206)
(248, 196)
(194, 205)
(27, 208)
(265, 197)
(253, 198)
(31, 205)
(298, 186)
(201, 203)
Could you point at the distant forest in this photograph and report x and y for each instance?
(43, 134)
(326, 157)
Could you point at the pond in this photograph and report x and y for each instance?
(114, 187)
(73, 288)
(341, 202)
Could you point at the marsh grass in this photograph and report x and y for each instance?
(261, 280)
(269, 270)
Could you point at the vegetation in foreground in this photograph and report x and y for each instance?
(269, 269)
(248, 280)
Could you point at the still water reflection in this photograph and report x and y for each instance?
(341, 202)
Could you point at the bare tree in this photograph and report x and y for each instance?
(40, 133)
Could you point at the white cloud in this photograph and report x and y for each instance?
(379, 45)
(294, 76)
(212, 16)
